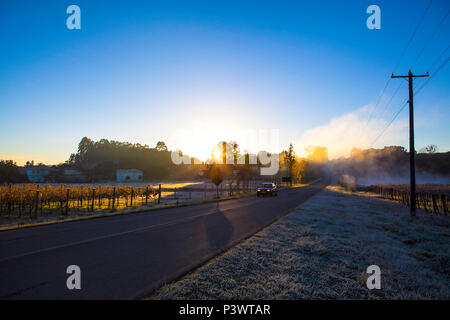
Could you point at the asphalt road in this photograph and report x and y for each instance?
(126, 257)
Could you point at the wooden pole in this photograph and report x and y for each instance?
(159, 194)
(36, 205)
(93, 199)
(67, 201)
(412, 170)
(114, 197)
(444, 203)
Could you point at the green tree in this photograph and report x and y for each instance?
(216, 175)
(100, 159)
(161, 146)
(9, 172)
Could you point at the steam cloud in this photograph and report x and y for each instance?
(351, 130)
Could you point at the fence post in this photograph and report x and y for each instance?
(131, 196)
(425, 201)
(9, 201)
(146, 195)
(435, 208)
(67, 201)
(37, 205)
(93, 199)
(444, 203)
(114, 197)
(159, 194)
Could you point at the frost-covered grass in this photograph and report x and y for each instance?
(322, 251)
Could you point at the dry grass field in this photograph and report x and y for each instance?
(322, 251)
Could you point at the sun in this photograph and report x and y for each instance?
(216, 153)
(203, 152)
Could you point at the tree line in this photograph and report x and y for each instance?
(99, 161)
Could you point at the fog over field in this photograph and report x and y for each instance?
(390, 165)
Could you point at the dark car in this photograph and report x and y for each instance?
(267, 189)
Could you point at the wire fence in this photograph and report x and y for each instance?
(34, 201)
(429, 201)
(431, 198)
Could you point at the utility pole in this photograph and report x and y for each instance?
(412, 168)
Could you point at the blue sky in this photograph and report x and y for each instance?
(143, 71)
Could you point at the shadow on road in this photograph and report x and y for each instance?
(218, 229)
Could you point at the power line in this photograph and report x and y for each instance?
(406, 102)
(428, 42)
(387, 126)
(413, 34)
(411, 78)
(398, 62)
(391, 99)
(429, 79)
(378, 101)
(438, 58)
(430, 38)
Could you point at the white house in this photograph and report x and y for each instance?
(128, 175)
(38, 173)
